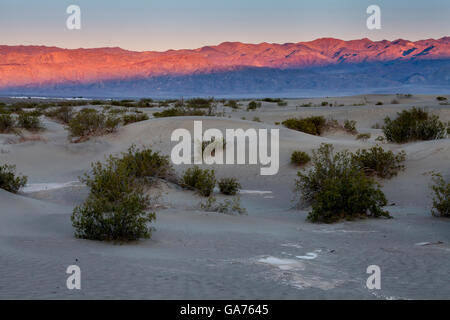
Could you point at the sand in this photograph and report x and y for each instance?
(270, 253)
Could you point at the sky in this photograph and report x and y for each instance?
(161, 25)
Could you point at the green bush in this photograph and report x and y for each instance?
(178, 112)
(227, 206)
(363, 136)
(379, 103)
(146, 165)
(252, 105)
(131, 118)
(441, 197)
(338, 189)
(300, 158)
(90, 122)
(282, 103)
(29, 122)
(414, 124)
(376, 161)
(324, 104)
(440, 98)
(116, 206)
(61, 114)
(7, 123)
(350, 126)
(313, 125)
(8, 179)
(229, 186)
(203, 181)
(232, 104)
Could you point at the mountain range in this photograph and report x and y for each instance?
(324, 66)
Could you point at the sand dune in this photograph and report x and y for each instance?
(271, 253)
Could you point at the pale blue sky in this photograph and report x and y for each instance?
(174, 24)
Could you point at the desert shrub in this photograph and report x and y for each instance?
(282, 103)
(313, 125)
(338, 189)
(414, 124)
(306, 105)
(441, 196)
(201, 180)
(8, 179)
(363, 136)
(229, 186)
(379, 103)
(178, 112)
(376, 161)
(324, 103)
(350, 126)
(116, 206)
(118, 111)
(227, 206)
(395, 101)
(277, 123)
(256, 119)
(440, 98)
(90, 122)
(252, 105)
(131, 118)
(273, 100)
(61, 114)
(300, 158)
(232, 104)
(29, 122)
(7, 123)
(145, 103)
(146, 164)
(201, 103)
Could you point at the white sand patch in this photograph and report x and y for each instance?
(282, 264)
(37, 187)
(292, 245)
(254, 192)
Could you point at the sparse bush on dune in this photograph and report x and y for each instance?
(229, 186)
(7, 123)
(376, 161)
(178, 112)
(201, 180)
(89, 122)
(440, 98)
(116, 206)
(379, 103)
(253, 105)
(441, 196)
(300, 158)
(232, 104)
(337, 188)
(313, 125)
(363, 136)
(131, 118)
(8, 179)
(350, 126)
(29, 122)
(227, 206)
(146, 164)
(414, 124)
(61, 114)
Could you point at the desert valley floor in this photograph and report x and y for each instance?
(273, 252)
